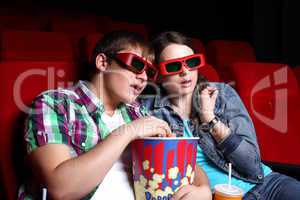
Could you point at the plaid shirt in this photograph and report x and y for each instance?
(72, 117)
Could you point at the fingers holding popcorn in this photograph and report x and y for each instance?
(149, 126)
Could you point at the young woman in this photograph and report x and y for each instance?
(214, 112)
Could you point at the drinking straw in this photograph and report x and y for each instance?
(44, 193)
(229, 175)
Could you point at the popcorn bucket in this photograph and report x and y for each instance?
(161, 166)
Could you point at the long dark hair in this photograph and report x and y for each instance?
(164, 39)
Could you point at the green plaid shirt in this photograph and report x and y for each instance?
(72, 117)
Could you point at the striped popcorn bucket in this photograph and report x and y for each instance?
(161, 166)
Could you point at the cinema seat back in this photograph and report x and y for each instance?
(222, 53)
(271, 94)
(20, 82)
(35, 45)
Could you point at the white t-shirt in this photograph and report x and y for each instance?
(117, 184)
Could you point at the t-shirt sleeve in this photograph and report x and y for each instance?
(46, 123)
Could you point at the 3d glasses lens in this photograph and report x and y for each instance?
(193, 62)
(138, 64)
(173, 67)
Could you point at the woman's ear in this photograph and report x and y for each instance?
(101, 62)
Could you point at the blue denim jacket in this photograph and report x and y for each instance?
(240, 147)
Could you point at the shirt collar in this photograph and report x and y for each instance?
(88, 98)
(93, 104)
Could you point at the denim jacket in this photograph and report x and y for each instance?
(240, 147)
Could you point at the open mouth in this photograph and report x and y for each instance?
(136, 89)
(186, 83)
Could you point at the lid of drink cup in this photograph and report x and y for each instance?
(230, 190)
(169, 138)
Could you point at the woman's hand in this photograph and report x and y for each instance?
(147, 127)
(207, 103)
(192, 192)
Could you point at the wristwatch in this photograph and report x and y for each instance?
(210, 125)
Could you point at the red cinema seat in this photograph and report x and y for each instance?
(271, 95)
(36, 46)
(210, 73)
(20, 83)
(221, 53)
(114, 25)
(296, 71)
(88, 45)
(77, 28)
(22, 23)
(207, 71)
(80, 24)
(198, 46)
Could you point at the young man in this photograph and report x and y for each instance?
(77, 138)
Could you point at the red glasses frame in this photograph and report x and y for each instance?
(163, 65)
(130, 59)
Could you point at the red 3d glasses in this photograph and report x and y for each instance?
(176, 66)
(136, 64)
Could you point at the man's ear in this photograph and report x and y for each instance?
(101, 62)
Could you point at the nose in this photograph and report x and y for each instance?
(185, 70)
(143, 76)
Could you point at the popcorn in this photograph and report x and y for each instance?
(175, 182)
(189, 170)
(140, 187)
(158, 174)
(153, 184)
(146, 164)
(158, 178)
(173, 173)
(150, 189)
(184, 181)
(151, 192)
(160, 193)
(140, 190)
(163, 193)
(169, 190)
(143, 181)
(192, 177)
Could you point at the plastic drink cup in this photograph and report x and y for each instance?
(227, 192)
(161, 166)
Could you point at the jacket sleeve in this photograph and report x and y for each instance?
(240, 147)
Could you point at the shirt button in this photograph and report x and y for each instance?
(83, 144)
(259, 176)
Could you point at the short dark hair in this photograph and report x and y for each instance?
(164, 39)
(113, 42)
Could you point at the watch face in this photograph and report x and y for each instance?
(214, 121)
(205, 127)
(210, 125)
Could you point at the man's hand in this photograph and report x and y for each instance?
(147, 127)
(192, 192)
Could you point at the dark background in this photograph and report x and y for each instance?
(271, 26)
